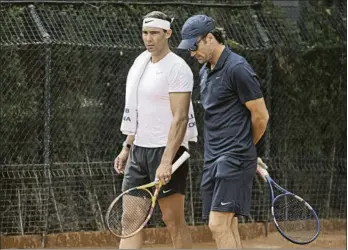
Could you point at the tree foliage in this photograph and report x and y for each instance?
(62, 98)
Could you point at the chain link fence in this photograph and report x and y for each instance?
(63, 73)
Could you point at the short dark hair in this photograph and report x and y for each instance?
(219, 34)
(159, 15)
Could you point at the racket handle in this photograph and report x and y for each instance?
(178, 162)
(261, 169)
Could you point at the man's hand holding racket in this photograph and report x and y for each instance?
(262, 169)
(164, 173)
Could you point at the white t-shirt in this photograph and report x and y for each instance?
(170, 74)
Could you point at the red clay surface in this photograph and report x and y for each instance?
(333, 235)
(337, 239)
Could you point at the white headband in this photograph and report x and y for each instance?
(156, 23)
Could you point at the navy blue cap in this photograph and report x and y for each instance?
(194, 27)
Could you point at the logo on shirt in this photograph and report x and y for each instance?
(126, 118)
(191, 123)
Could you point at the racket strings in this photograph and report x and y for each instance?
(294, 218)
(129, 213)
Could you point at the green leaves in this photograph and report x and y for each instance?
(300, 62)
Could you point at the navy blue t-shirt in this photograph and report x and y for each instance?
(227, 121)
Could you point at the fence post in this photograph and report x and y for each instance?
(268, 49)
(332, 169)
(191, 195)
(47, 105)
(268, 103)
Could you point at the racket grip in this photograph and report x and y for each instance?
(261, 169)
(180, 161)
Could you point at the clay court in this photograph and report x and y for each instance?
(335, 240)
(333, 236)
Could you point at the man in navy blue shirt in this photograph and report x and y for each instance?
(235, 119)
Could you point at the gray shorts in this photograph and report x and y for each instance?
(141, 169)
(226, 186)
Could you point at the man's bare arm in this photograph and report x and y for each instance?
(179, 104)
(130, 139)
(259, 117)
(121, 159)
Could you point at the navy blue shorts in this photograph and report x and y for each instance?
(226, 186)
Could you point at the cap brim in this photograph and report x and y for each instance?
(188, 43)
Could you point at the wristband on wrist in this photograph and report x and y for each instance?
(126, 145)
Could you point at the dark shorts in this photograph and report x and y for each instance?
(227, 185)
(141, 169)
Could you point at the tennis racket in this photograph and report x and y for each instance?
(293, 217)
(129, 212)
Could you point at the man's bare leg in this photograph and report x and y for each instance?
(220, 224)
(130, 218)
(235, 232)
(172, 208)
(134, 242)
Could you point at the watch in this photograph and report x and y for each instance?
(126, 145)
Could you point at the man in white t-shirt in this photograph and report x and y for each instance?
(164, 96)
